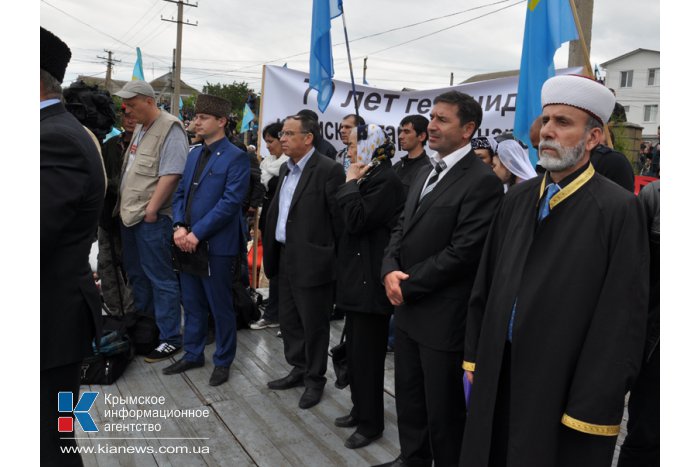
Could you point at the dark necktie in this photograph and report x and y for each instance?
(432, 181)
(201, 163)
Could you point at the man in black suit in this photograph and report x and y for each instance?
(299, 248)
(72, 193)
(428, 272)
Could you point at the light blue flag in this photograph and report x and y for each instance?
(248, 117)
(548, 24)
(321, 59)
(336, 8)
(180, 106)
(137, 74)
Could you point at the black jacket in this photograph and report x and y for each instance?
(369, 210)
(312, 224)
(439, 246)
(72, 193)
(407, 169)
(613, 165)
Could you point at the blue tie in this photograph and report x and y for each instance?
(552, 190)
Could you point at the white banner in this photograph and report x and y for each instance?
(285, 92)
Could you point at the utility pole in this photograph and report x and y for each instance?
(452, 78)
(577, 50)
(364, 72)
(110, 64)
(175, 101)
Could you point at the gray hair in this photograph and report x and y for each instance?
(593, 123)
(52, 88)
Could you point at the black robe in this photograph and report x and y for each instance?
(581, 282)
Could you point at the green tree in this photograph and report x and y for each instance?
(237, 93)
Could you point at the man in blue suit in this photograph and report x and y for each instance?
(207, 214)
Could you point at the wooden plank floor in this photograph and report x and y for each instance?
(248, 424)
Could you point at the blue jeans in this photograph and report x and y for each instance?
(147, 258)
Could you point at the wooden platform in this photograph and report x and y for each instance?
(248, 424)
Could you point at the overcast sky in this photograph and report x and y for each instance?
(234, 38)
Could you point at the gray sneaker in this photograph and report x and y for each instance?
(263, 323)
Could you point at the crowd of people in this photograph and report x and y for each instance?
(516, 299)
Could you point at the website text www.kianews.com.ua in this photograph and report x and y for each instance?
(110, 449)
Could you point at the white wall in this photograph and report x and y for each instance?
(640, 93)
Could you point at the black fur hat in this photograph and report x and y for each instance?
(54, 55)
(212, 105)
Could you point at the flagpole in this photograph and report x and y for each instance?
(352, 76)
(582, 40)
(587, 60)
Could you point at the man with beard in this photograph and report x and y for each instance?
(556, 320)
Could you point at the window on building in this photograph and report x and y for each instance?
(626, 79)
(627, 108)
(654, 76)
(650, 113)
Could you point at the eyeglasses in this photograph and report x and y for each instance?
(282, 134)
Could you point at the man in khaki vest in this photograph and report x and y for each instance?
(150, 174)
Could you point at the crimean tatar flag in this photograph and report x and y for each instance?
(321, 59)
(548, 24)
(137, 74)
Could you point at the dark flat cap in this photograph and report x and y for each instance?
(54, 55)
(212, 105)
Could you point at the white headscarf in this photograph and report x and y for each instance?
(516, 159)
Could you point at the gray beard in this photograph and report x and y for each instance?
(568, 157)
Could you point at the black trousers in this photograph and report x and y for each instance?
(641, 448)
(366, 335)
(272, 308)
(430, 405)
(53, 381)
(304, 317)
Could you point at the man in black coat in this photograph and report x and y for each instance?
(72, 193)
(299, 248)
(428, 272)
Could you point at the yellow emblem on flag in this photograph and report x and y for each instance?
(532, 4)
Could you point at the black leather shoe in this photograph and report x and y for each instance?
(347, 421)
(180, 366)
(398, 462)
(288, 382)
(356, 440)
(311, 397)
(219, 375)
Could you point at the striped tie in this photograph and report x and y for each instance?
(432, 181)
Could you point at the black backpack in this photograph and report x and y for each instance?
(113, 354)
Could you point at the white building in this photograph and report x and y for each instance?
(636, 78)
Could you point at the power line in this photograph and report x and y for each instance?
(143, 16)
(444, 29)
(86, 24)
(387, 31)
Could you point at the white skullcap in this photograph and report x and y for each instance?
(580, 92)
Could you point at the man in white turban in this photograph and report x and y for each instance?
(556, 320)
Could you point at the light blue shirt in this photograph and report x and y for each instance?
(49, 102)
(289, 184)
